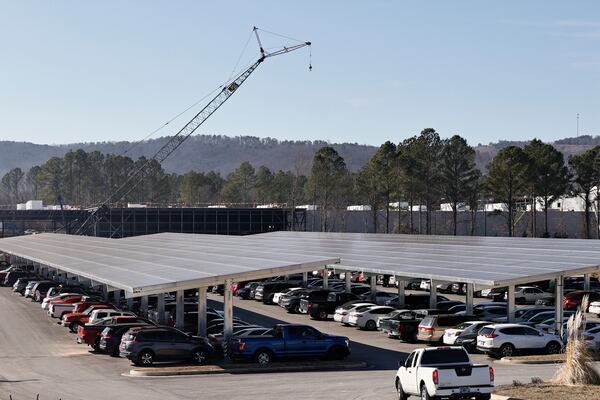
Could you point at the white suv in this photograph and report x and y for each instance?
(507, 339)
(99, 314)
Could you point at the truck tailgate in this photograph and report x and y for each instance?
(463, 376)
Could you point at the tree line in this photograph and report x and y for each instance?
(423, 171)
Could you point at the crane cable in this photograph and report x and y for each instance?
(233, 73)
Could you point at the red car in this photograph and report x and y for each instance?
(74, 319)
(572, 301)
(91, 334)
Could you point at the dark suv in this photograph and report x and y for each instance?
(144, 346)
(321, 303)
(265, 292)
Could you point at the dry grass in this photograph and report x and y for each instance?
(550, 391)
(577, 368)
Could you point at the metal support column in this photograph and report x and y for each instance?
(228, 315)
(373, 285)
(559, 305)
(401, 293)
(202, 311)
(117, 297)
(179, 309)
(469, 299)
(586, 282)
(304, 279)
(104, 290)
(130, 303)
(325, 279)
(433, 294)
(348, 281)
(160, 308)
(511, 303)
(144, 306)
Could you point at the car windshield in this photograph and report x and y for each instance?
(444, 356)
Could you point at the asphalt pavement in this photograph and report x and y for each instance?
(38, 356)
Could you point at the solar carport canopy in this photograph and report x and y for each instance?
(149, 266)
(169, 261)
(488, 261)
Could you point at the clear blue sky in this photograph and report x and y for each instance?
(383, 70)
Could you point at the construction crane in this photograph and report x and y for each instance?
(137, 176)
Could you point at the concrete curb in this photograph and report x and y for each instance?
(530, 362)
(244, 369)
(498, 397)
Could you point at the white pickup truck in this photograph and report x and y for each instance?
(443, 372)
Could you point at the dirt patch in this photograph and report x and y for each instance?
(549, 391)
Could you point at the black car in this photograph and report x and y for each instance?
(265, 291)
(291, 301)
(146, 345)
(247, 292)
(13, 276)
(414, 301)
(321, 303)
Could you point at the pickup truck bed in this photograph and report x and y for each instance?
(445, 372)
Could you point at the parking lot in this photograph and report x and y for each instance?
(39, 356)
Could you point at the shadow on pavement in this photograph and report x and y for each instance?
(377, 357)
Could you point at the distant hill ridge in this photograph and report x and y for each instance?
(225, 153)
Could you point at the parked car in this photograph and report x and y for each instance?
(90, 334)
(457, 308)
(289, 341)
(101, 314)
(342, 313)
(59, 298)
(21, 283)
(464, 334)
(443, 372)
(414, 301)
(110, 338)
(367, 318)
(278, 295)
(524, 313)
(146, 345)
(544, 315)
(321, 303)
(448, 304)
(405, 324)
(432, 327)
(265, 291)
(246, 293)
(57, 308)
(28, 294)
(216, 339)
(74, 320)
(592, 338)
(380, 297)
(291, 301)
(594, 308)
(445, 287)
(572, 301)
(15, 275)
(506, 340)
(529, 295)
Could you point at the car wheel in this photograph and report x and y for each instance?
(199, 356)
(371, 325)
(96, 346)
(73, 326)
(296, 309)
(507, 350)
(424, 394)
(322, 315)
(553, 348)
(145, 358)
(263, 357)
(400, 391)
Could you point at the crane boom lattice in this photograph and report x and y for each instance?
(181, 136)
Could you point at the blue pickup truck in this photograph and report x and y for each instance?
(289, 341)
